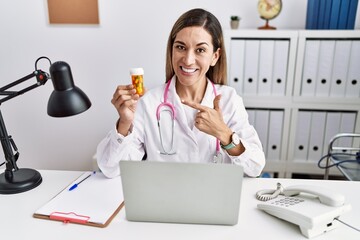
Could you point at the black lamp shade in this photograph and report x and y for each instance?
(66, 99)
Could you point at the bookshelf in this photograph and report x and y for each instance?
(300, 88)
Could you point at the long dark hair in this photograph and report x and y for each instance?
(200, 18)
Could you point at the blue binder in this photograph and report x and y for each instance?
(334, 15)
(352, 14)
(343, 14)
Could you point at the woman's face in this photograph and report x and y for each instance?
(192, 55)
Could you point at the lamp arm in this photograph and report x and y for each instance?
(41, 78)
(7, 142)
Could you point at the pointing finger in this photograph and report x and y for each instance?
(194, 105)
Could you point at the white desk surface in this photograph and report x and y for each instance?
(16, 221)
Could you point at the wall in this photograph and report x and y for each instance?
(131, 33)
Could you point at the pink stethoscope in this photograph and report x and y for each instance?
(171, 109)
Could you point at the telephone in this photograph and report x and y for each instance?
(313, 208)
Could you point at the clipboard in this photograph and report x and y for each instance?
(95, 202)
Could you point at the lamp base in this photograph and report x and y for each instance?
(23, 180)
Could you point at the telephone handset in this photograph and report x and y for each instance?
(313, 208)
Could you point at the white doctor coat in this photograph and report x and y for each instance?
(190, 144)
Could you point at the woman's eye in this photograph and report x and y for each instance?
(180, 47)
(201, 50)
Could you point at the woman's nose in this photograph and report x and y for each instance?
(189, 58)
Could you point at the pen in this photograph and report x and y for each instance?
(77, 184)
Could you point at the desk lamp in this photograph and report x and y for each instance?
(65, 100)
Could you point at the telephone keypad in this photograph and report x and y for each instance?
(287, 201)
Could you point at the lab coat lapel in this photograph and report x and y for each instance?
(209, 96)
(181, 120)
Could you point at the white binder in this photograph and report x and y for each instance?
(340, 68)
(347, 125)
(251, 67)
(353, 79)
(281, 56)
(332, 127)
(302, 135)
(266, 57)
(317, 131)
(262, 126)
(275, 135)
(311, 59)
(251, 116)
(237, 52)
(326, 56)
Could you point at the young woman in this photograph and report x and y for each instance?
(194, 116)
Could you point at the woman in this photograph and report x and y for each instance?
(194, 116)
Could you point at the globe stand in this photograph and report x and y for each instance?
(267, 26)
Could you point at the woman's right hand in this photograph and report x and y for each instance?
(125, 101)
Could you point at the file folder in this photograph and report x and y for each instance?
(340, 68)
(251, 67)
(316, 140)
(237, 64)
(311, 59)
(326, 56)
(343, 14)
(302, 135)
(347, 125)
(332, 127)
(352, 14)
(266, 58)
(281, 58)
(353, 79)
(251, 116)
(334, 14)
(275, 135)
(95, 202)
(262, 126)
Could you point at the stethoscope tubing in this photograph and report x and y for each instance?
(173, 116)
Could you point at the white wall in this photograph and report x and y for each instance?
(131, 33)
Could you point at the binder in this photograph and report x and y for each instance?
(343, 14)
(302, 135)
(311, 59)
(340, 68)
(237, 64)
(347, 125)
(262, 126)
(281, 56)
(353, 79)
(352, 14)
(312, 14)
(334, 14)
(332, 127)
(95, 202)
(266, 57)
(321, 15)
(327, 13)
(326, 56)
(316, 140)
(251, 66)
(275, 135)
(251, 116)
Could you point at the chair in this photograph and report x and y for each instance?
(342, 146)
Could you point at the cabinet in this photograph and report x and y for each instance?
(300, 89)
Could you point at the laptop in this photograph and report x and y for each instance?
(172, 192)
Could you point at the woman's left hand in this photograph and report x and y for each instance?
(210, 120)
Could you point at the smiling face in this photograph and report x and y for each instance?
(192, 55)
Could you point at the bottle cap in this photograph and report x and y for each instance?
(136, 71)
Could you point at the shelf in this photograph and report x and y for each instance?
(280, 73)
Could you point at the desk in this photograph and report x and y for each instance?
(16, 221)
